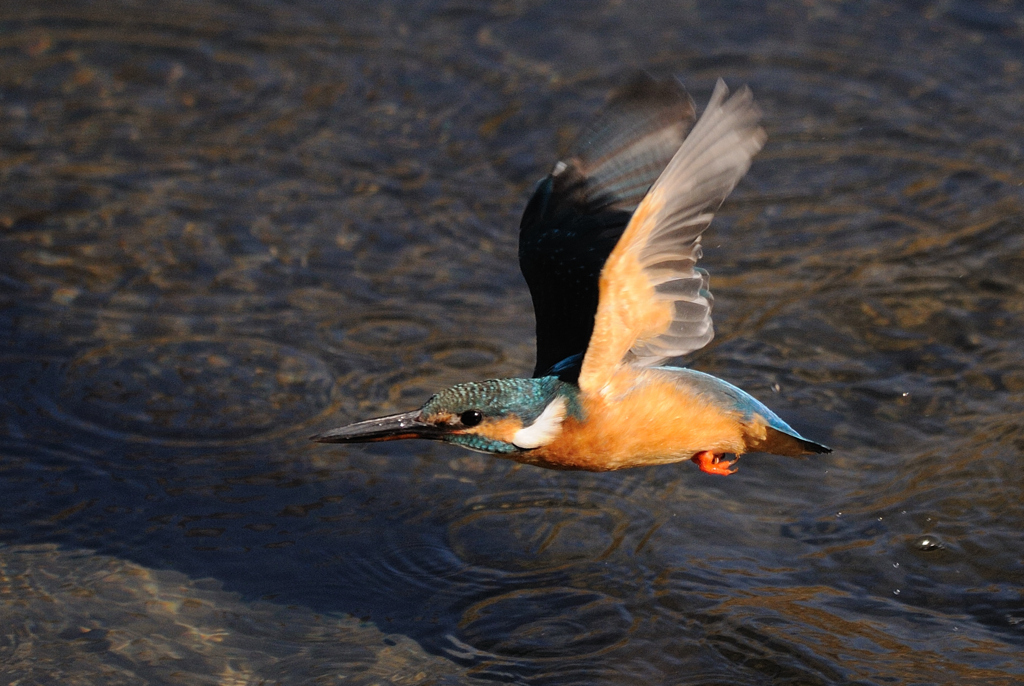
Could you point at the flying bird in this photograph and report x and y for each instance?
(609, 244)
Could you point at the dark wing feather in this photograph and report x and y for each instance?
(578, 213)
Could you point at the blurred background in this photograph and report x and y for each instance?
(225, 226)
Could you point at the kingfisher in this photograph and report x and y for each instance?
(609, 243)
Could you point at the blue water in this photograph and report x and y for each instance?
(225, 226)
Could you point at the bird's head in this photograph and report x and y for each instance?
(503, 416)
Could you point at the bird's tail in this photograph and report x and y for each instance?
(781, 443)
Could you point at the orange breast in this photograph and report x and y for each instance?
(652, 420)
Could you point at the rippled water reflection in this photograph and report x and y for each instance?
(226, 225)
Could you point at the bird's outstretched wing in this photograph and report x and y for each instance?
(578, 213)
(654, 303)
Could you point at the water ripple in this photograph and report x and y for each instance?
(547, 623)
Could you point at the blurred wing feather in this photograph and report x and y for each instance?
(654, 302)
(627, 147)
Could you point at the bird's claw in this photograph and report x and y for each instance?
(710, 463)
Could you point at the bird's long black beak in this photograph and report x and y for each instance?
(391, 428)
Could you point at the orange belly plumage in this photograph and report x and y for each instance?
(654, 421)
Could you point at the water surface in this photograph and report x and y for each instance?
(227, 225)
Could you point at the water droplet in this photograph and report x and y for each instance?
(895, 564)
(896, 592)
(839, 514)
(776, 387)
(905, 394)
(879, 519)
(928, 543)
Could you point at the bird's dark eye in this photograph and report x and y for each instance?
(471, 417)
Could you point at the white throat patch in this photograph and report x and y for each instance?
(544, 429)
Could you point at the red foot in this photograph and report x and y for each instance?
(710, 463)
